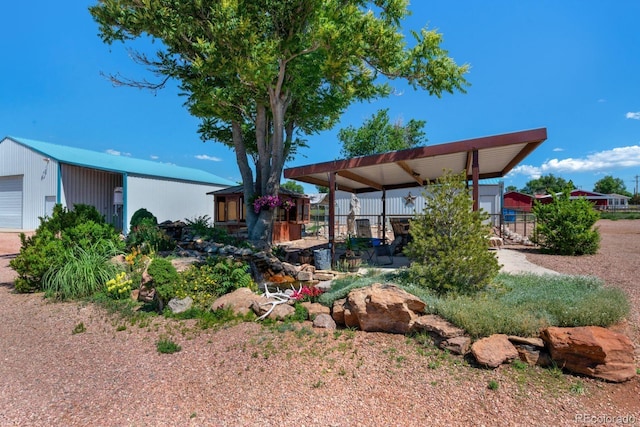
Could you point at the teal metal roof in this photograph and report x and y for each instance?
(108, 162)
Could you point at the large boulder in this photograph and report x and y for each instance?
(239, 300)
(384, 308)
(591, 350)
(493, 351)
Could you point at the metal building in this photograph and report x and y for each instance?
(35, 175)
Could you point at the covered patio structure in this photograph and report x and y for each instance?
(481, 158)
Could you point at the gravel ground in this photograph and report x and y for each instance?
(249, 374)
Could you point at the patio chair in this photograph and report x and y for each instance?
(376, 248)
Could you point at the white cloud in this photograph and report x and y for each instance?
(634, 116)
(617, 158)
(207, 157)
(154, 157)
(117, 153)
(558, 149)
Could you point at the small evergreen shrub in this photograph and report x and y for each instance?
(449, 249)
(165, 278)
(139, 215)
(565, 226)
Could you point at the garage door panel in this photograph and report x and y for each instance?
(11, 202)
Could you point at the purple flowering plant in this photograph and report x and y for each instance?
(270, 202)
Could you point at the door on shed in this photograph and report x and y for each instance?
(11, 202)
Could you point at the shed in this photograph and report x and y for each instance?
(36, 175)
(288, 224)
(518, 202)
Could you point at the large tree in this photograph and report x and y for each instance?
(261, 73)
(547, 184)
(379, 135)
(611, 185)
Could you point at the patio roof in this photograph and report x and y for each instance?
(494, 156)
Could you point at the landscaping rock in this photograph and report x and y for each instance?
(384, 308)
(281, 312)
(324, 320)
(316, 309)
(304, 276)
(534, 355)
(322, 275)
(239, 300)
(182, 264)
(592, 350)
(531, 341)
(437, 325)
(177, 305)
(494, 350)
(456, 345)
(290, 269)
(337, 311)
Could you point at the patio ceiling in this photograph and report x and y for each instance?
(496, 156)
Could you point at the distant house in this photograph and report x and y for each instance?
(599, 200)
(35, 175)
(230, 213)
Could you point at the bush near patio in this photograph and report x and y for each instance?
(449, 246)
(77, 240)
(566, 226)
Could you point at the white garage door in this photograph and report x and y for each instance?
(11, 202)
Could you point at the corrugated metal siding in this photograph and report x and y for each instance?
(39, 179)
(371, 203)
(91, 187)
(168, 200)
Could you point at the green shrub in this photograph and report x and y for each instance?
(55, 236)
(565, 226)
(449, 247)
(165, 278)
(148, 238)
(140, 215)
(206, 282)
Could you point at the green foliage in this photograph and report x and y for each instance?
(378, 135)
(201, 226)
(206, 282)
(614, 216)
(449, 247)
(165, 277)
(139, 215)
(79, 328)
(523, 304)
(81, 273)
(547, 184)
(493, 385)
(166, 346)
(293, 186)
(147, 237)
(565, 226)
(64, 231)
(341, 287)
(288, 67)
(611, 185)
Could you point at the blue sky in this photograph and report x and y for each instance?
(571, 66)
